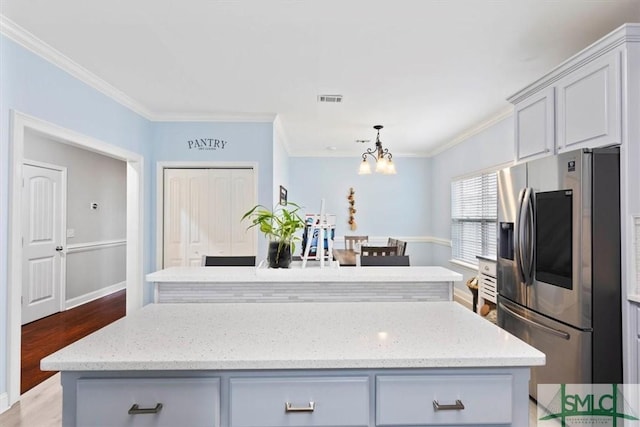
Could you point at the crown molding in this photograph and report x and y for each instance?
(30, 42)
(616, 38)
(221, 117)
(501, 115)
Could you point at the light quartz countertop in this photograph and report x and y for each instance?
(297, 274)
(296, 336)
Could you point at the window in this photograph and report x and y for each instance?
(474, 212)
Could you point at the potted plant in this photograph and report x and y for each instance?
(279, 225)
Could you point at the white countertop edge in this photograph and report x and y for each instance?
(297, 275)
(634, 297)
(295, 365)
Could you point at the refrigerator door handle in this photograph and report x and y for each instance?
(531, 235)
(520, 236)
(545, 328)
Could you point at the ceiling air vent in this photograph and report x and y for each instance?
(330, 98)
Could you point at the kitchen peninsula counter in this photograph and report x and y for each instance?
(249, 284)
(352, 360)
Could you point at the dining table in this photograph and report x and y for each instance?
(346, 257)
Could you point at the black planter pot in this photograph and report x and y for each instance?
(281, 259)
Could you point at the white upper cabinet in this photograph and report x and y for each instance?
(576, 105)
(534, 120)
(588, 105)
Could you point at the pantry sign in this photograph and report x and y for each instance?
(206, 144)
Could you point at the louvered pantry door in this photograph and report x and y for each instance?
(232, 195)
(202, 212)
(186, 216)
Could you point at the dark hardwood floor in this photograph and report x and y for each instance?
(45, 336)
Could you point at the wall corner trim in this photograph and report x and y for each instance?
(4, 402)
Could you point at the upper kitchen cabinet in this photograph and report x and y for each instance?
(576, 105)
(588, 105)
(534, 120)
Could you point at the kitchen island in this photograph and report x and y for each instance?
(250, 284)
(307, 364)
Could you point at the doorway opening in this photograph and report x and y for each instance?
(22, 123)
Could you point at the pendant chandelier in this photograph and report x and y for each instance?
(382, 156)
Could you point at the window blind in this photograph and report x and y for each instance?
(474, 214)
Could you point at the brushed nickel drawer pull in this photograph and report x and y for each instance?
(455, 407)
(288, 407)
(137, 410)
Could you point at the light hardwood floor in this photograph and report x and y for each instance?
(39, 407)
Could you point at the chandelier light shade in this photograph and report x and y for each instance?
(382, 156)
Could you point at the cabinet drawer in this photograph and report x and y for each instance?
(185, 401)
(487, 267)
(409, 400)
(339, 401)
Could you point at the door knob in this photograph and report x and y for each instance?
(59, 248)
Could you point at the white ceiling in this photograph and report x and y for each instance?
(428, 70)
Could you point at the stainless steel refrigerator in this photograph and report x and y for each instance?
(558, 269)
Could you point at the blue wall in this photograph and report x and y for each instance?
(387, 205)
(33, 86)
(489, 149)
(246, 142)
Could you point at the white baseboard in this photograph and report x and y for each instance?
(464, 298)
(82, 299)
(4, 402)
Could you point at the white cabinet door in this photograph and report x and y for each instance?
(535, 126)
(588, 105)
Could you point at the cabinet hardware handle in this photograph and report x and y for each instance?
(455, 407)
(288, 407)
(137, 410)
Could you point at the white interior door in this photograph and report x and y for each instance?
(243, 198)
(185, 216)
(202, 212)
(43, 222)
(220, 207)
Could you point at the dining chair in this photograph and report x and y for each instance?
(378, 250)
(228, 261)
(385, 261)
(400, 244)
(351, 242)
(402, 247)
